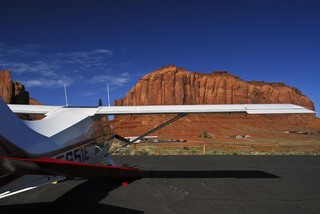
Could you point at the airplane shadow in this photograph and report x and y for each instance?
(85, 197)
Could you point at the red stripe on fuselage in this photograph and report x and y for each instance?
(50, 166)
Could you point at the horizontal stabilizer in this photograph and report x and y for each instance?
(50, 166)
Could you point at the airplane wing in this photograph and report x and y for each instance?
(169, 109)
(51, 166)
(189, 109)
(76, 114)
(32, 109)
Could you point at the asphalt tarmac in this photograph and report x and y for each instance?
(187, 184)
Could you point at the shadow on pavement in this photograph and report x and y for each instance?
(84, 198)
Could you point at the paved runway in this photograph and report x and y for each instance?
(187, 184)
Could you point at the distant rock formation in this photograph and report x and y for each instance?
(34, 102)
(11, 91)
(172, 86)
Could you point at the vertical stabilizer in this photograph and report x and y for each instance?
(15, 136)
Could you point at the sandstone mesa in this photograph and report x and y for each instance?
(177, 86)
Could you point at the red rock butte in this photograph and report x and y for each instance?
(11, 91)
(171, 85)
(177, 86)
(14, 92)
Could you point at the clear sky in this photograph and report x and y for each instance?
(86, 44)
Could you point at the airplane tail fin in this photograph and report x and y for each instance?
(7, 132)
(15, 136)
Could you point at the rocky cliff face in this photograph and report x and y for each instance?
(172, 86)
(12, 92)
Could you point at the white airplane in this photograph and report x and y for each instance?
(76, 141)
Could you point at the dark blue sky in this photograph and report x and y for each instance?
(88, 43)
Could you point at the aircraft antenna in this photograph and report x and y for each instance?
(108, 94)
(65, 94)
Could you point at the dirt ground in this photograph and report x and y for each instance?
(296, 134)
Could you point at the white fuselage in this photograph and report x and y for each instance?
(66, 135)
